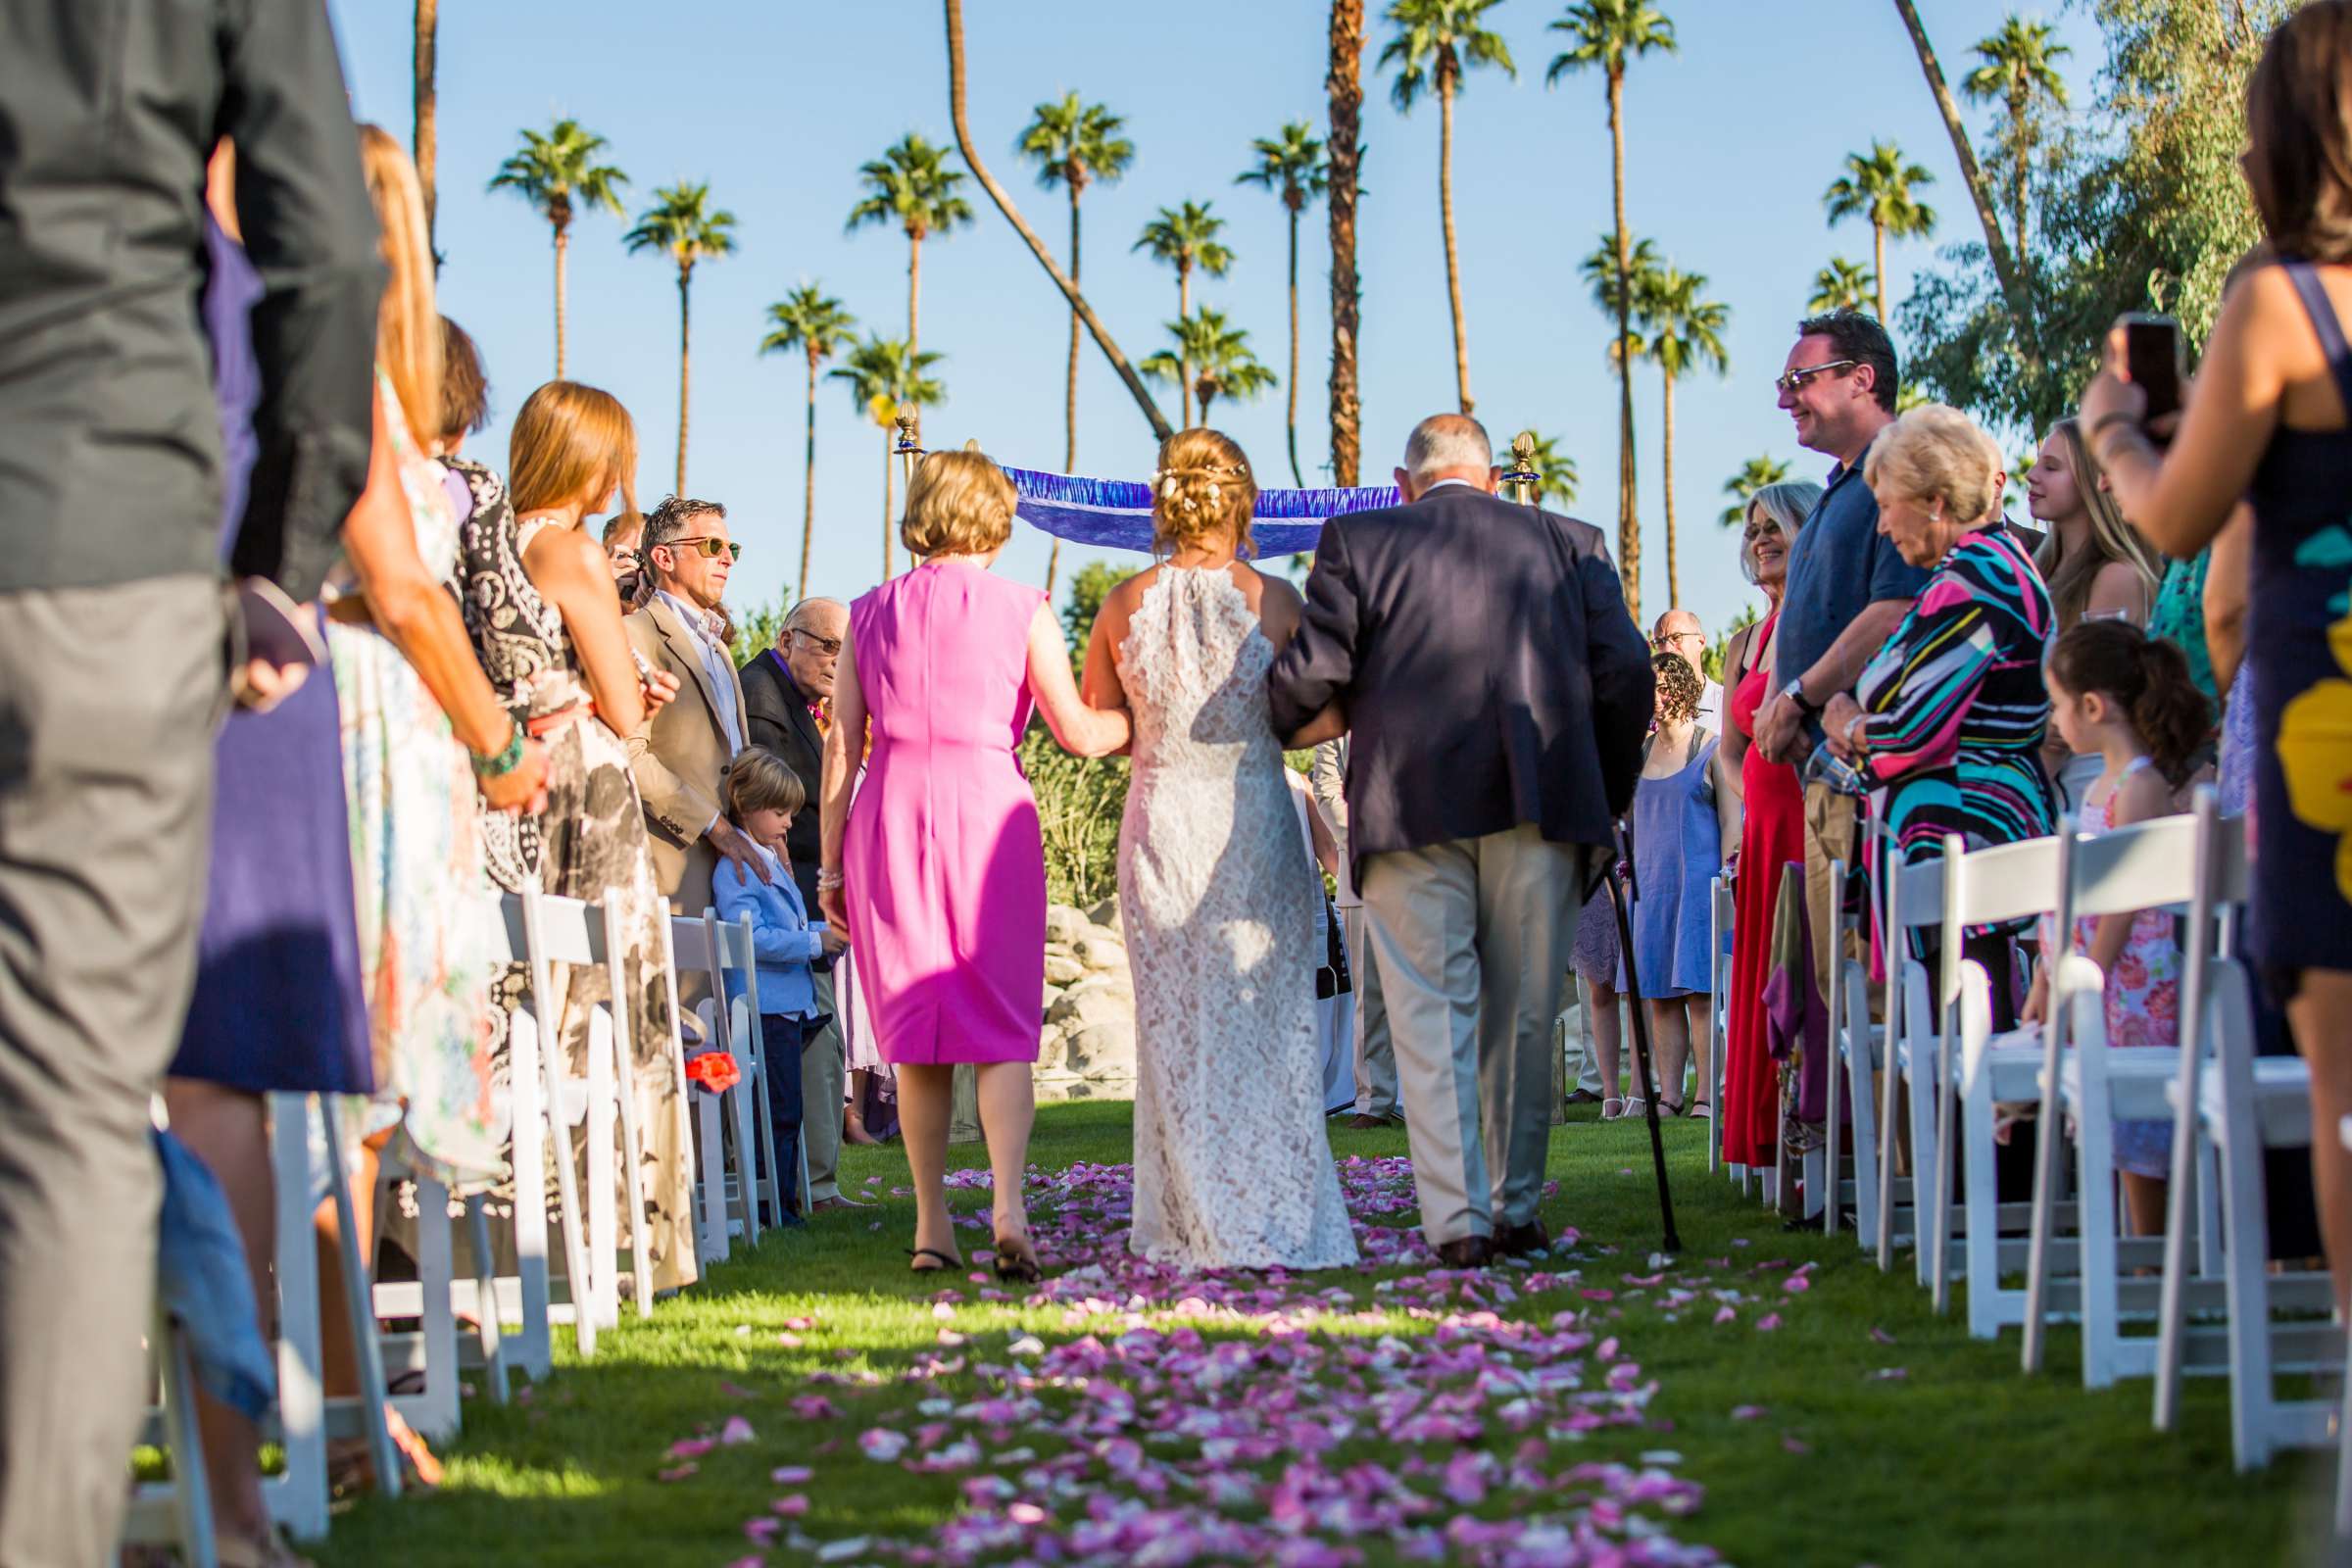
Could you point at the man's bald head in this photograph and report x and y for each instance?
(1678, 631)
(814, 633)
(1446, 446)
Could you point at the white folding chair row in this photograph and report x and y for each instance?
(1992, 886)
(1914, 903)
(1719, 1004)
(435, 1297)
(735, 1191)
(2229, 1106)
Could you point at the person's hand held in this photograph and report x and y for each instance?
(834, 904)
(661, 688)
(1842, 726)
(522, 788)
(728, 840)
(2111, 392)
(835, 943)
(260, 685)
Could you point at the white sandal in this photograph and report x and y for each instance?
(1607, 1114)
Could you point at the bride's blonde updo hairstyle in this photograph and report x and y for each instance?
(1204, 492)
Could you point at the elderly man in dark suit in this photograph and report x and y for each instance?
(1497, 693)
(785, 690)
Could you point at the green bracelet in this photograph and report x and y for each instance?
(501, 762)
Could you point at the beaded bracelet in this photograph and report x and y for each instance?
(499, 764)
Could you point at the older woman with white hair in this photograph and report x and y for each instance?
(1772, 830)
(1951, 714)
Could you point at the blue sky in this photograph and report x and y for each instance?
(1729, 146)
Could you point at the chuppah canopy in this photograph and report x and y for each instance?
(1117, 514)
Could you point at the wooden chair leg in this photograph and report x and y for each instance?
(485, 1296)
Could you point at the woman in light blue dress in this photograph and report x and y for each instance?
(1679, 818)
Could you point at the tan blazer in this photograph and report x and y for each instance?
(679, 759)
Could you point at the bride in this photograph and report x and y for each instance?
(1232, 1166)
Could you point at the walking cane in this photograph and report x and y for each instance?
(1623, 890)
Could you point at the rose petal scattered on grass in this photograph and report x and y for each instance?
(735, 1433)
(1768, 1322)
(1890, 1374)
(1748, 1412)
(677, 1472)
(790, 1475)
(1880, 1334)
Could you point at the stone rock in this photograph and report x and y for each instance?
(1062, 969)
(1101, 1051)
(1049, 1046)
(1051, 994)
(1101, 951)
(1064, 924)
(1099, 1005)
(1107, 916)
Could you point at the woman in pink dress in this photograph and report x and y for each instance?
(938, 868)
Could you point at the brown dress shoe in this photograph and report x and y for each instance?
(1583, 1097)
(1467, 1252)
(826, 1206)
(1362, 1123)
(1518, 1240)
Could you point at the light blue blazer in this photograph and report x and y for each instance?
(783, 938)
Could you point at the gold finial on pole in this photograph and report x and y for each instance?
(1524, 482)
(909, 447)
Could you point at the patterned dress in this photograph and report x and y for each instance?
(589, 843)
(2142, 994)
(417, 870)
(1955, 708)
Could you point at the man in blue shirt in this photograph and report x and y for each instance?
(1847, 587)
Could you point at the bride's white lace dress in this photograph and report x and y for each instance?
(1232, 1165)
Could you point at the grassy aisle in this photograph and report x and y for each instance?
(1859, 1429)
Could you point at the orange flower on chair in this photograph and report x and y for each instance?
(715, 1070)
(2315, 753)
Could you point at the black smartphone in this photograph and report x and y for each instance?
(2153, 360)
(277, 630)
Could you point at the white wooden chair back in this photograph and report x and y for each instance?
(1914, 903)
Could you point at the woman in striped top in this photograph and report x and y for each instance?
(1951, 714)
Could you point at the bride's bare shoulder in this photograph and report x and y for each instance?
(1277, 603)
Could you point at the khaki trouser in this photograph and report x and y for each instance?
(108, 702)
(1472, 938)
(1375, 1052)
(824, 1080)
(1829, 835)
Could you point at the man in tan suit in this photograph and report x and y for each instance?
(680, 753)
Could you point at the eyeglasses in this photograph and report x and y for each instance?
(710, 546)
(1795, 379)
(830, 647)
(1667, 637)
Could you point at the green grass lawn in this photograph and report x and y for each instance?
(1861, 1430)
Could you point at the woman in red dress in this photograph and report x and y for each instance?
(1772, 830)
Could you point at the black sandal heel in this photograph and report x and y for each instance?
(946, 1261)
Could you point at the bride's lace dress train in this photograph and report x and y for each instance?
(1232, 1165)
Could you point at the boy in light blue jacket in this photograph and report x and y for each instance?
(763, 797)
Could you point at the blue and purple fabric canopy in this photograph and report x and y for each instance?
(1117, 514)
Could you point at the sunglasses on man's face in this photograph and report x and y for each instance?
(830, 647)
(709, 546)
(1794, 381)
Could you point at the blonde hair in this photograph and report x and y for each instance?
(2111, 538)
(959, 503)
(1936, 453)
(572, 441)
(757, 780)
(1204, 491)
(408, 327)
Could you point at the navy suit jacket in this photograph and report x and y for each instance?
(1490, 672)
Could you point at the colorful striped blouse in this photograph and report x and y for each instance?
(1955, 706)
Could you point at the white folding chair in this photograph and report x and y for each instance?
(2229, 1106)
(729, 1189)
(1992, 886)
(177, 1513)
(1906, 1056)
(738, 954)
(1719, 1001)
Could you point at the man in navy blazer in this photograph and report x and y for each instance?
(1497, 693)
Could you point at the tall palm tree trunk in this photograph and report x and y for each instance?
(2019, 175)
(1878, 241)
(427, 143)
(1629, 516)
(809, 501)
(2005, 265)
(914, 291)
(1184, 363)
(563, 256)
(1069, 407)
(685, 365)
(1037, 247)
(1297, 477)
(1453, 261)
(1674, 582)
(1343, 85)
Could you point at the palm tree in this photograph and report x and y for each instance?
(1841, 285)
(1074, 145)
(1753, 475)
(1609, 33)
(1556, 471)
(2006, 265)
(1343, 89)
(426, 144)
(1216, 356)
(957, 83)
(811, 321)
(1882, 189)
(2020, 71)
(1435, 42)
(681, 226)
(1292, 164)
(558, 174)
(1686, 333)
(1186, 237)
(884, 376)
(911, 185)
(1643, 265)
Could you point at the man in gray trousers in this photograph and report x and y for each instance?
(112, 654)
(1497, 693)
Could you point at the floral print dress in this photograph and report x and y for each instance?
(589, 843)
(417, 873)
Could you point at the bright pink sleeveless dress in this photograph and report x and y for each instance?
(944, 867)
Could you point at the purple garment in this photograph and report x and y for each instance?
(1795, 1019)
(277, 1003)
